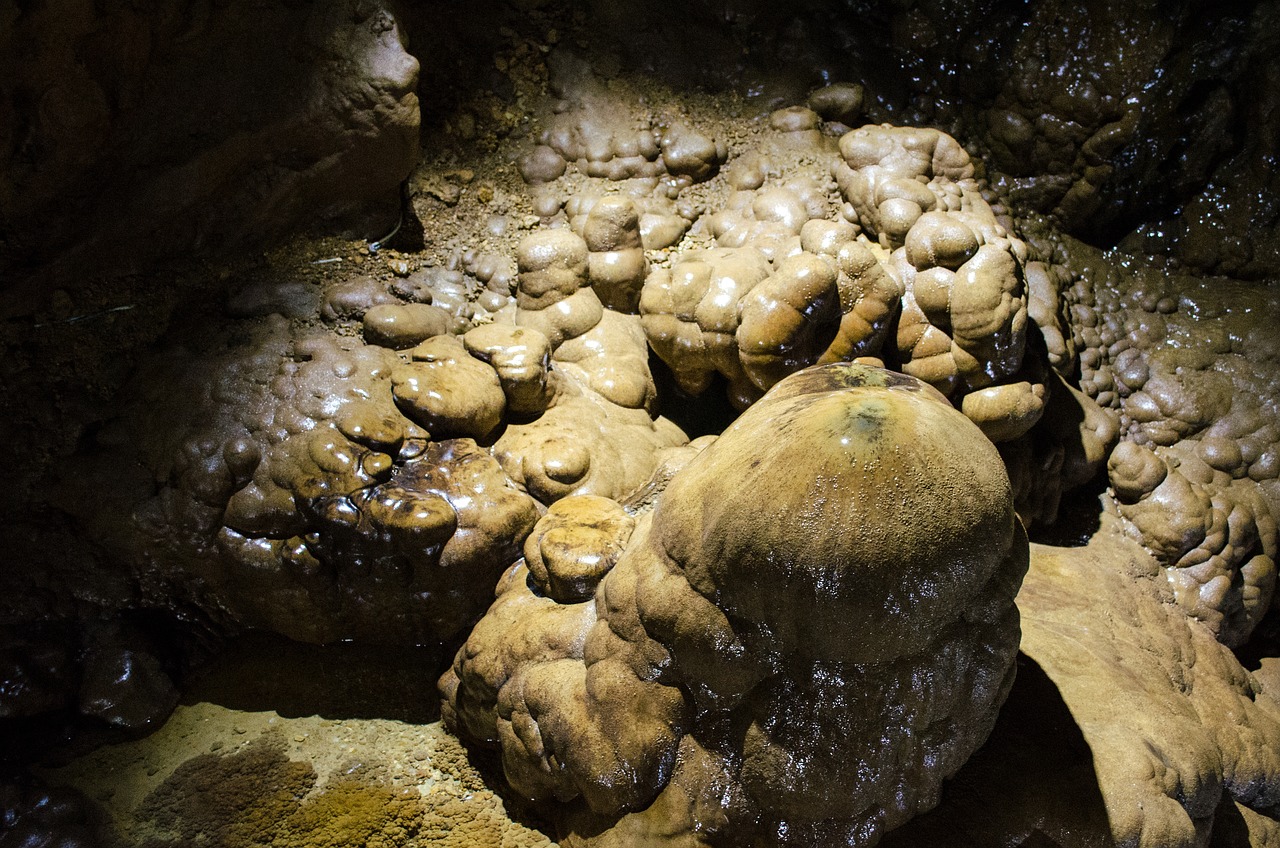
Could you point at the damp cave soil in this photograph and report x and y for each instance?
(288, 745)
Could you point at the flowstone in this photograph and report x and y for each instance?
(324, 487)
(811, 678)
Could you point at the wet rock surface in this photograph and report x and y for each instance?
(1183, 365)
(623, 219)
(1177, 726)
(823, 671)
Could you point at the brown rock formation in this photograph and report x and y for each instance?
(777, 664)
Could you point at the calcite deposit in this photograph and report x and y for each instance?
(914, 268)
(1188, 370)
(816, 675)
(960, 272)
(1176, 725)
(793, 284)
(327, 488)
(597, 379)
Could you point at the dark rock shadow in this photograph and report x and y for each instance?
(707, 414)
(263, 671)
(1263, 642)
(1079, 517)
(1032, 785)
(411, 236)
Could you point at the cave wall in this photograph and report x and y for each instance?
(132, 133)
(135, 134)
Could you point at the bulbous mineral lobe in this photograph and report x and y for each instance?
(857, 440)
(554, 296)
(818, 673)
(447, 391)
(690, 316)
(783, 319)
(870, 296)
(662, 222)
(123, 683)
(575, 544)
(597, 133)
(1187, 368)
(915, 241)
(1004, 413)
(274, 464)
(770, 217)
(616, 264)
(840, 101)
(964, 312)
(401, 326)
(608, 138)
(597, 435)
(521, 357)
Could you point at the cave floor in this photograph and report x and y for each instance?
(287, 745)
(218, 776)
